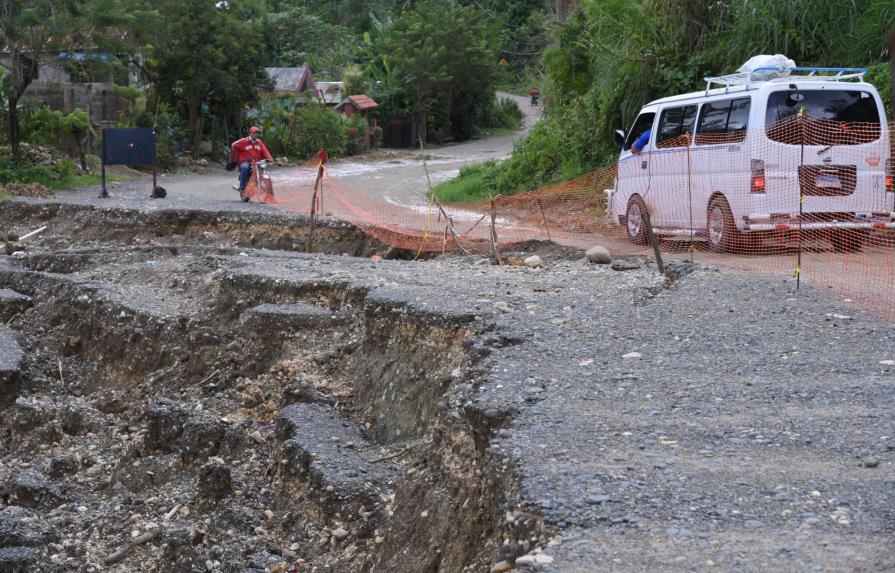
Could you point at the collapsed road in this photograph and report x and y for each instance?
(182, 391)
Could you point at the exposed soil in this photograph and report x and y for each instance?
(187, 390)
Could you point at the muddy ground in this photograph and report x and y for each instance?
(185, 390)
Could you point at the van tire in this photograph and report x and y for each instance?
(721, 230)
(634, 223)
(848, 241)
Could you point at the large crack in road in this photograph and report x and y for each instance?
(177, 400)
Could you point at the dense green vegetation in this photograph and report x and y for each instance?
(612, 56)
(434, 64)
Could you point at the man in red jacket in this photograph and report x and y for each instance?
(246, 152)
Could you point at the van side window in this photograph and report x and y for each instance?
(675, 126)
(644, 122)
(723, 122)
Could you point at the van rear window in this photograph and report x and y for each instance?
(822, 117)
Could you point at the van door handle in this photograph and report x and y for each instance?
(643, 164)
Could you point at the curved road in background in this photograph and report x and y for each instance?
(398, 180)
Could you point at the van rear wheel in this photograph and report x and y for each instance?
(721, 229)
(635, 224)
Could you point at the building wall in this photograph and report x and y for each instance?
(98, 100)
(47, 70)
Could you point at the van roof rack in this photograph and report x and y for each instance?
(810, 74)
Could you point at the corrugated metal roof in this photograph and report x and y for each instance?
(361, 102)
(330, 92)
(286, 79)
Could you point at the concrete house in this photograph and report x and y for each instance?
(54, 85)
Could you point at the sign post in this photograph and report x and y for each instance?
(129, 146)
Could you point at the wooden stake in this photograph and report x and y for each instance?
(318, 185)
(495, 255)
(654, 241)
(122, 553)
(544, 219)
(450, 224)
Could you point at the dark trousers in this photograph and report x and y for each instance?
(245, 171)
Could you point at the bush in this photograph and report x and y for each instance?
(168, 130)
(356, 131)
(272, 115)
(55, 176)
(501, 113)
(314, 127)
(41, 126)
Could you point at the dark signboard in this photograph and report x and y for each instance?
(129, 146)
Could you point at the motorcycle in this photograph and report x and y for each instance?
(260, 185)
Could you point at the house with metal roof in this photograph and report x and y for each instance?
(363, 105)
(294, 80)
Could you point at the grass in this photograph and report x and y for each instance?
(473, 184)
(78, 181)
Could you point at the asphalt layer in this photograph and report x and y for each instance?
(722, 422)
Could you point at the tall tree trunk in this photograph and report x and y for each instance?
(195, 121)
(79, 139)
(419, 116)
(14, 130)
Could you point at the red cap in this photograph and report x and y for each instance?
(254, 129)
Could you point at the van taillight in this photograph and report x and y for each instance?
(758, 181)
(890, 175)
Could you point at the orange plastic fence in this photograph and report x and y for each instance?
(805, 198)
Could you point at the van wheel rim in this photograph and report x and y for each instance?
(635, 220)
(716, 225)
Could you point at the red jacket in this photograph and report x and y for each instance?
(246, 150)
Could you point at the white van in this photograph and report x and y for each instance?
(734, 164)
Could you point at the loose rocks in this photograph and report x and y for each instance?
(166, 420)
(533, 261)
(18, 559)
(29, 488)
(625, 264)
(598, 255)
(215, 482)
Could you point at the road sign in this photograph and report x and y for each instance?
(128, 146)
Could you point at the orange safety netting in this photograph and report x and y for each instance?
(806, 198)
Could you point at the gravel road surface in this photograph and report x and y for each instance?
(723, 422)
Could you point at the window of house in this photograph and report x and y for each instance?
(28, 68)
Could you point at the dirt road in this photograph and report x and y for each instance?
(395, 178)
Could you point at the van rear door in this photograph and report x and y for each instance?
(827, 146)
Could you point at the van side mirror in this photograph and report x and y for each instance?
(619, 138)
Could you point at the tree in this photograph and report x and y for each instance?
(29, 28)
(353, 81)
(203, 60)
(446, 55)
(300, 36)
(77, 125)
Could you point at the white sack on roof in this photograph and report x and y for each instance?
(781, 63)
